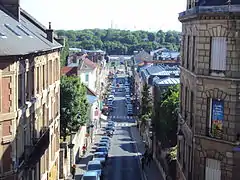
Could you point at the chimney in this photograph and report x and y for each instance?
(49, 31)
(13, 7)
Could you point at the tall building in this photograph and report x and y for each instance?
(29, 96)
(209, 126)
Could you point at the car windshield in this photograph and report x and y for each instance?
(89, 178)
(92, 167)
(103, 141)
(99, 156)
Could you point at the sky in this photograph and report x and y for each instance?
(150, 15)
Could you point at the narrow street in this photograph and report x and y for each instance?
(123, 156)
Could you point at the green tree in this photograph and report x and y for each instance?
(116, 41)
(166, 116)
(146, 101)
(73, 105)
(64, 53)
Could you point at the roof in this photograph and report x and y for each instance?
(90, 92)
(91, 99)
(160, 71)
(166, 81)
(90, 173)
(94, 162)
(69, 71)
(23, 37)
(87, 64)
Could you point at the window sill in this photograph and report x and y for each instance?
(215, 139)
(218, 74)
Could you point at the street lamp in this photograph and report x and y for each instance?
(180, 135)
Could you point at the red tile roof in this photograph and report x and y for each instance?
(89, 63)
(69, 71)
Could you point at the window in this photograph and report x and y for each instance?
(44, 76)
(218, 54)
(24, 31)
(216, 117)
(193, 53)
(86, 77)
(191, 108)
(32, 82)
(27, 85)
(212, 169)
(20, 90)
(187, 54)
(181, 97)
(12, 30)
(186, 103)
(38, 80)
(50, 73)
(189, 162)
(3, 35)
(184, 154)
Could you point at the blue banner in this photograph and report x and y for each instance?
(217, 115)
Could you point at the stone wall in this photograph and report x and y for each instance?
(205, 86)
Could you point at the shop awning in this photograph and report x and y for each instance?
(103, 117)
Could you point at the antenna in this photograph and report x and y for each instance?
(112, 24)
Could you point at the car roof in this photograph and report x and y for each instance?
(94, 162)
(99, 153)
(105, 137)
(90, 173)
(101, 147)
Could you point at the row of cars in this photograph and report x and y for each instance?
(100, 156)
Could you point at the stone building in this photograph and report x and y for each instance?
(209, 126)
(29, 96)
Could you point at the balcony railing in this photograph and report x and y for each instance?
(34, 152)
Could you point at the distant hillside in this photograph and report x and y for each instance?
(120, 42)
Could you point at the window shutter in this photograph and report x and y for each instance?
(218, 53)
(213, 169)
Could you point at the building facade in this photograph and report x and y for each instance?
(209, 111)
(29, 96)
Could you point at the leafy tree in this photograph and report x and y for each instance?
(64, 53)
(146, 100)
(73, 105)
(165, 118)
(115, 41)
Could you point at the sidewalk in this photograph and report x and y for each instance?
(83, 161)
(150, 172)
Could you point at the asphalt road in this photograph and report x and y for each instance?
(123, 163)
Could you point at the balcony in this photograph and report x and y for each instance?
(34, 152)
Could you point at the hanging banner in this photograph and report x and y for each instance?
(217, 117)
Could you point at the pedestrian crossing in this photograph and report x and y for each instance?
(122, 117)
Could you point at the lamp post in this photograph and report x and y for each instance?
(180, 135)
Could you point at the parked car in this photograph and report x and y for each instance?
(99, 156)
(105, 138)
(103, 149)
(91, 175)
(105, 141)
(95, 166)
(105, 144)
(109, 133)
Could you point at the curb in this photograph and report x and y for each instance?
(143, 174)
